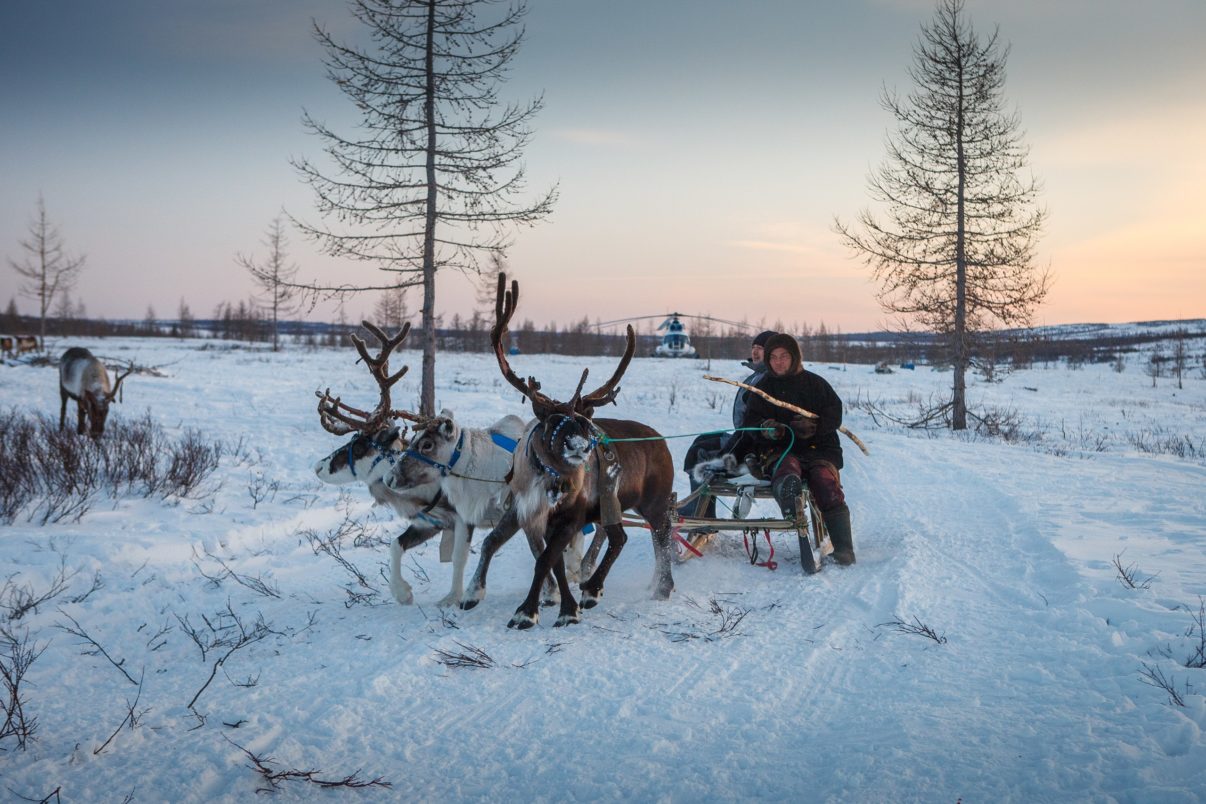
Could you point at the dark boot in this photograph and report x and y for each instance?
(787, 493)
(838, 525)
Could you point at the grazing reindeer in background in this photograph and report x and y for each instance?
(373, 451)
(85, 379)
(26, 343)
(568, 471)
(6, 346)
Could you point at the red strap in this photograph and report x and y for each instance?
(687, 544)
(770, 562)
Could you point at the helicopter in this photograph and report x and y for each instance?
(675, 342)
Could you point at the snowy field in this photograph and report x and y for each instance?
(1038, 687)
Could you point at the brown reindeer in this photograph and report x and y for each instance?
(571, 469)
(85, 379)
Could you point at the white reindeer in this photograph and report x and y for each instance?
(367, 458)
(85, 379)
(374, 450)
(470, 465)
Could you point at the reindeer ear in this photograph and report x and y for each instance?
(447, 427)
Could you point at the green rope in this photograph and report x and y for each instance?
(606, 439)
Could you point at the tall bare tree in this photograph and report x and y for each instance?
(955, 246)
(432, 178)
(48, 270)
(275, 278)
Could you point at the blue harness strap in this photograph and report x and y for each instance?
(444, 468)
(509, 444)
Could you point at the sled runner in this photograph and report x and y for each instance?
(694, 533)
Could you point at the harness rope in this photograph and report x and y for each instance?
(501, 441)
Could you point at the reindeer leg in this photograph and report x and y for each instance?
(463, 532)
(79, 409)
(592, 555)
(410, 538)
(502, 533)
(592, 590)
(63, 407)
(528, 613)
(570, 611)
(663, 577)
(552, 596)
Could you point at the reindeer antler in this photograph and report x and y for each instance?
(607, 391)
(341, 419)
(117, 383)
(505, 302)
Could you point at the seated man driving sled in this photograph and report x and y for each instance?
(815, 454)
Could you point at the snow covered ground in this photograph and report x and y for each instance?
(1040, 690)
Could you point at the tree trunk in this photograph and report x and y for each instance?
(427, 394)
(959, 395)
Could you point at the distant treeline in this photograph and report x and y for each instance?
(242, 321)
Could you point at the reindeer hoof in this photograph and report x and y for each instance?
(568, 618)
(448, 601)
(523, 621)
(405, 596)
(469, 603)
(590, 598)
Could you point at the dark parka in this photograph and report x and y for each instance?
(803, 389)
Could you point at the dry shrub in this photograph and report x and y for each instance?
(52, 475)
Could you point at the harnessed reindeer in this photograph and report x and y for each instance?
(85, 379)
(469, 466)
(373, 451)
(571, 469)
(379, 448)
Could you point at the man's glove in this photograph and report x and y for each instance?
(804, 427)
(778, 430)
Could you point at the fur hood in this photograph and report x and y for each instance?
(784, 341)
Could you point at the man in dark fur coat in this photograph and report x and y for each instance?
(816, 453)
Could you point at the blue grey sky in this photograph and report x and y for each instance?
(702, 149)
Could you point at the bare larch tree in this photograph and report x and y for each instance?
(433, 177)
(48, 270)
(275, 278)
(955, 246)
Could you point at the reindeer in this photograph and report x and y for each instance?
(470, 465)
(26, 343)
(571, 469)
(85, 379)
(373, 450)
(6, 346)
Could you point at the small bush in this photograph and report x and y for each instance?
(52, 475)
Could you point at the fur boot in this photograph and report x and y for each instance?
(838, 525)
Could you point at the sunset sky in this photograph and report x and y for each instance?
(702, 150)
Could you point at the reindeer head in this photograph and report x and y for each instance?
(434, 449)
(377, 441)
(563, 436)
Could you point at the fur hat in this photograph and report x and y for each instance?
(762, 337)
(782, 340)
